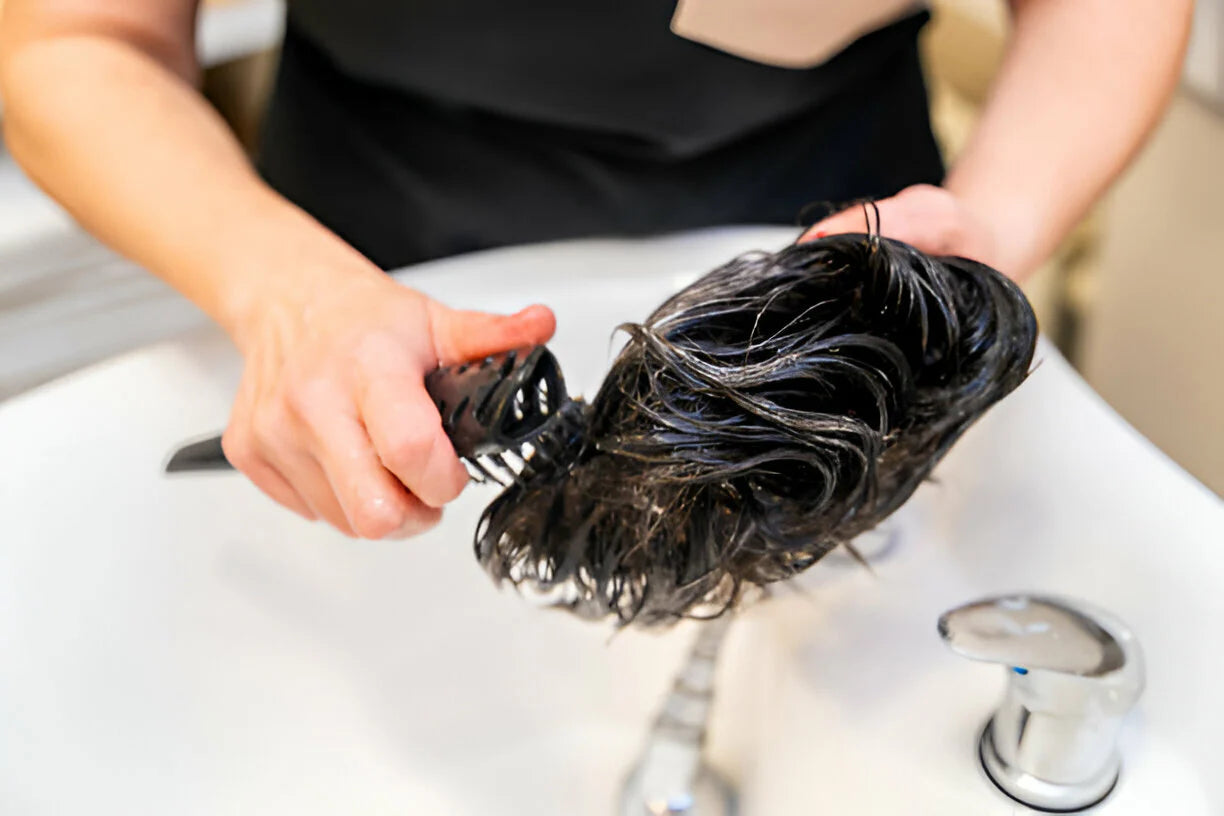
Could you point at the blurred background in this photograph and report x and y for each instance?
(1133, 298)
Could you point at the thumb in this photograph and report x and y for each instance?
(459, 336)
(851, 219)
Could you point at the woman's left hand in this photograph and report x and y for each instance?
(930, 218)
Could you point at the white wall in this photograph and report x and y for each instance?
(1154, 342)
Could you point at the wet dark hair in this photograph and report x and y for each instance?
(776, 408)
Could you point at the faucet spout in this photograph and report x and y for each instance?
(671, 778)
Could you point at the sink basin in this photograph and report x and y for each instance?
(184, 646)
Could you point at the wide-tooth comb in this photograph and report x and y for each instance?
(507, 417)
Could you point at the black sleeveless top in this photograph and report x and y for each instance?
(422, 128)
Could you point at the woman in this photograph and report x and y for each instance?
(408, 129)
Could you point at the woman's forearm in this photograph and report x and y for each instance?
(1082, 85)
(129, 147)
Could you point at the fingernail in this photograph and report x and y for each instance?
(402, 533)
(821, 233)
(411, 527)
(405, 530)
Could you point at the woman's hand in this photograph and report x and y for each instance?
(1080, 88)
(332, 419)
(930, 218)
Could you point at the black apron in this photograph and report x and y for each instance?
(422, 128)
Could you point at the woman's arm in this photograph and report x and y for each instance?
(1082, 85)
(332, 419)
(101, 111)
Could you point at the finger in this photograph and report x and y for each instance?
(852, 219)
(404, 425)
(922, 215)
(265, 476)
(307, 476)
(375, 503)
(421, 519)
(270, 481)
(460, 336)
(276, 437)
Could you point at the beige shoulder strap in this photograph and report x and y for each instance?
(786, 33)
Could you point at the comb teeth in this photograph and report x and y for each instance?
(503, 468)
(555, 444)
(508, 416)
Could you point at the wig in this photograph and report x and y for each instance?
(776, 408)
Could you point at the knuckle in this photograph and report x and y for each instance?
(297, 398)
(305, 397)
(410, 449)
(270, 425)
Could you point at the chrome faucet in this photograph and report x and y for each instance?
(671, 777)
(1073, 672)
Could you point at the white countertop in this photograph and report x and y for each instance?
(184, 646)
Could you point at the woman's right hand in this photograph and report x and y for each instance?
(332, 419)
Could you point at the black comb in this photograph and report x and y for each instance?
(506, 415)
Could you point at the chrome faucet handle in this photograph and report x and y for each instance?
(1073, 672)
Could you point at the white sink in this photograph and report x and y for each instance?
(183, 646)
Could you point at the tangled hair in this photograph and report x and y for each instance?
(779, 406)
